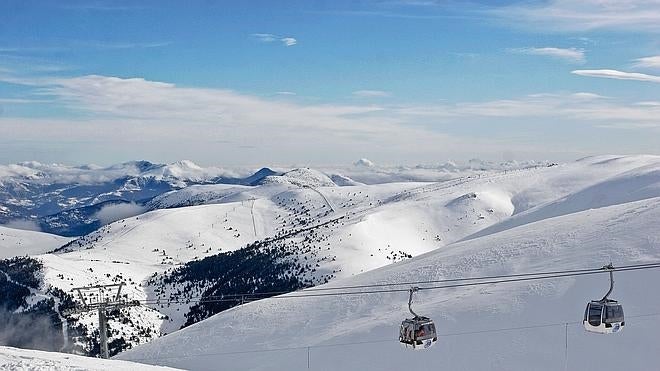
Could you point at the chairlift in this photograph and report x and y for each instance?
(417, 332)
(604, 316)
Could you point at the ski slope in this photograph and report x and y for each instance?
(603, 209)
(347, 230)
(484, 327)
(27, 360)
(18, 242)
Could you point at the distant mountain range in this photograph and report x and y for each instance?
(76, 200)
(66, 200)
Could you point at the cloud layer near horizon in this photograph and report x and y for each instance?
(141, 114)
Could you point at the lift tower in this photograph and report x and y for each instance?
(102, 298)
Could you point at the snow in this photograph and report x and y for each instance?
(91, 174)
(498, 220)
(359, 332)
(18, 242)
(27, 360)
(301, 177)
(580, 215)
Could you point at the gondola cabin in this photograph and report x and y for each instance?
(604, 317)
(418, 333)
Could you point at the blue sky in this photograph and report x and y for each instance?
(327, 82)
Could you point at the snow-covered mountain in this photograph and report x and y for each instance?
(203, 241)
(517, 326)
(65, 199)
(612, 216)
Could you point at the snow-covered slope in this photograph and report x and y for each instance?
(301, 177)
(319, 233)
(516, 326)
(27, 360)
(620, 180)
(17, 242)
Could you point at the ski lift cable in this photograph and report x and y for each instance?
(376, 341)
(415, 283)
(305, 293)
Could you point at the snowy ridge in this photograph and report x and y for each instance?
(622, 230)
(300, 177)
(17, 242)
(28, 360)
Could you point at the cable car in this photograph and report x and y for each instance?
(604, 316)
(417, 332)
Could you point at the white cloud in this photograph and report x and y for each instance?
(136, 118)
(371, 93)
(578, 107)
(113, 212)
(649, 103)
(21, 101)
(587, 96)
(618, 75)
(288, 41)
(583, 15)
(364, 162)
(78, 44)
(119, 45)
(120, 119)
(24, 224)
(648, 62)
(269, 38)
(572, 55)
(265, 37)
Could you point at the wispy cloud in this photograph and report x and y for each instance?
(154, 117)
(648, 62)
(618, 75)
(111, 112)
(371, 93)
(119, 45)
(139, 99)
(572, 55)
(289, 41)
(583, 15)
(32, 49)
(577, 107)
(22, 101)
(82, 44)
(269, 38)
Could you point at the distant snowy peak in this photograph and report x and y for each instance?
(301, 177)
(184, 170)
(135, 167)
(93, 174)
(344, 181)
(259, 175)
